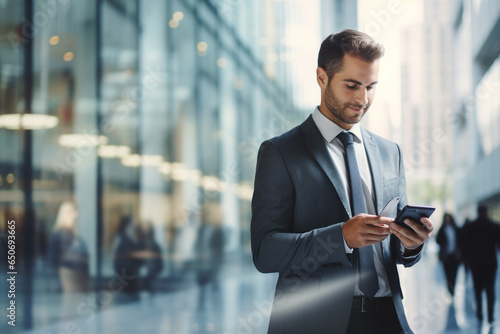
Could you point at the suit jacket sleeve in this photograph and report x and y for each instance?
(275, 247)
(396, 243)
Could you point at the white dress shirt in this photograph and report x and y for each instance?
(329, 130)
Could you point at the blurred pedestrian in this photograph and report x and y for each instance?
(127, 254)
(68, 252)
(465, 260)
(449, 252)
(151, 255)
(482, 238)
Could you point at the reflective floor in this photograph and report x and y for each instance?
(429, 307)
(239, 302)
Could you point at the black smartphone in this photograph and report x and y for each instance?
(414, 212)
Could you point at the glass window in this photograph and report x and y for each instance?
(64, 158)
(488, 108)
(12, 104)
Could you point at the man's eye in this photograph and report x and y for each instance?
(351, 87)
(369, 88)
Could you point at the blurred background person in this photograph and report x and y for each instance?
(210, 253)
(463, 237)
(449, 251)
(127, 254)
(68, 252)
(482, 237)
(151, 255)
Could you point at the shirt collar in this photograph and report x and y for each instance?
(329, 130)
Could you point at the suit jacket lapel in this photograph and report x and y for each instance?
(373, 155)
(316, 145)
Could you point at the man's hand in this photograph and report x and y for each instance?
(414, 238)
(363, 230)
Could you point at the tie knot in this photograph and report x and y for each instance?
(346, 138)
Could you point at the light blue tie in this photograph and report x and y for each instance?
(368, 281)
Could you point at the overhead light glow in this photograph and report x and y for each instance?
(173, 23)
(133, 160)
(28, 121)
(212, 183)
(202, 46)
(113, 151)
(165, 168)
(221, 62)
(80, 140)
(151, 160)
(245, 191)
(54, 40)
(181, 174)
(178, 165)
(178, 15)
(10, 178)
(136, 160)
(68, 56)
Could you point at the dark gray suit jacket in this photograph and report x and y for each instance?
(298, 206)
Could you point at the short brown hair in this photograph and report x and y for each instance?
(351, 42)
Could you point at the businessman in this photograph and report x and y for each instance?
(318, 190)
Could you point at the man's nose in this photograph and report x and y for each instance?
(362, 96)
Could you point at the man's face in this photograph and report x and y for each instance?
(347, 96)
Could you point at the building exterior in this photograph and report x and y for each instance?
(149, 112)
(476, 109)
(425, 95)
(338, 15)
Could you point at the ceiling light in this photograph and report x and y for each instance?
(10, 178)
(133, 160)
(80, 140)
(178, 16)
(202, 46)
(113, 151)
(221, 62)
(245, 191)
(173, 23)
(54, 40)
(28, 121)
(151, 160)
(68, 56)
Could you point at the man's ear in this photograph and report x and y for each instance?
(321, 77)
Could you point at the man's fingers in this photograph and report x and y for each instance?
(397, 234)
(365, 229)
(422, 233)
(378, 229)
(372, 239)
(377, 220)
(427, 223)
(414, 225)
(402, 231)
(414, 237)
(417, 235)
(407, 237)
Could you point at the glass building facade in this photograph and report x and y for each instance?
(476, 111)
(129, 131)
